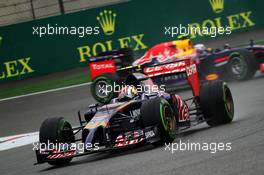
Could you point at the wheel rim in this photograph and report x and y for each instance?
(229, 104)
(101, 88)
(65, 132)
(237, 67)
(169, 120)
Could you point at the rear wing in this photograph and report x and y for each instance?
(116, 62)
(110, 61)
(187, 66)
(102, 65)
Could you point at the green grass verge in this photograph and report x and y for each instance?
(260, 42)
(42, 85)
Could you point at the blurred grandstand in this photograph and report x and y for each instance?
(16, 11)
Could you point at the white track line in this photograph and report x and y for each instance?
(47, 91)
(15, 141)
(19, 140)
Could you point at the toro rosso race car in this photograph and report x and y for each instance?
(141, 114)
(159, 62)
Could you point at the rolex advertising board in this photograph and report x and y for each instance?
(67, 41)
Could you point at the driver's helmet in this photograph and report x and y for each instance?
(128, 92)
(200, 48)
(131, 92)
(227, 46)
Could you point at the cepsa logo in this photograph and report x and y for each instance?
(165, 69)
(107, 20)
(15, 67)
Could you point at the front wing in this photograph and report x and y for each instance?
(124, 140)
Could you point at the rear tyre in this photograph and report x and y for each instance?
(242, 65)
(216, 102)
(158, 112)
(56, 130)
(102, 88)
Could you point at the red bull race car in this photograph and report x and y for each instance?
(159, 62)
(142, 113)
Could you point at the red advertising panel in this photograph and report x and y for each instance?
(102, 67)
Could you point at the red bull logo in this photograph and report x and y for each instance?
(162, 52)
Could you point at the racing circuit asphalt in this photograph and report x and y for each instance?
(246, 134)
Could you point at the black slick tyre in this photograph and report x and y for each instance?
(158, 112)
(216, 102)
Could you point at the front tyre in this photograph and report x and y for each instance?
(158, 112)
(242, 65)
(216, 102)
(56, 130)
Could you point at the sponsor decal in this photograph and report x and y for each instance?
(235, 21)
(88, 51)
(107, 21)
(165, 69)
(15, 67)
(149, 134)
(62, 155)
(161, 52)
(183, 111)
(102, 67)
(190, 70)
(129, 138)
(211, 77)
(217, 5)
